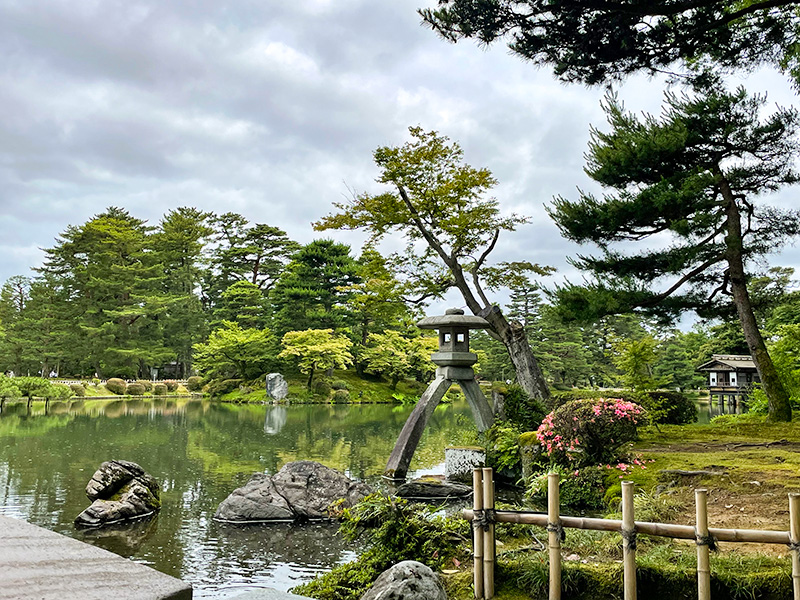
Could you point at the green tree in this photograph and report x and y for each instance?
(395, 357)
(440, 201)
(636, 359)
(242, 251)
(592, 42)
(114, 286)
(317, 349)
(178, 245)
(242, 303)
(314, 290)
(233, 352)
(695, 173)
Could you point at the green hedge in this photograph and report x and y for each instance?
(159, 389)
(663, 406)
(116, 386)
(135, 389)
(194, 383)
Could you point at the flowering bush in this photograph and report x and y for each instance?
(589, 432)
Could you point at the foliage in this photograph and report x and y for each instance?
(695, 173)
(146, 384)
(396, 357)
(636, 358)
(317, 349)
(172, 386)
(77, 389)
(581, 488)
(159, 389)
(592, 43)
(502, 447)
(116, 386)
(521, 410)
(135, 389)
(440, 201)
(224, 386)
(339, 384)
(194, 383)
(588, 432)
(340, 396)
(392, 530)
(58, 391)
(234, 352)
(672, 408)
(8, 389)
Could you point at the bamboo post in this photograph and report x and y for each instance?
(554, 535)
(488, 535)
(794, 541)
(703, 568)
(477, 532)
(628, 541)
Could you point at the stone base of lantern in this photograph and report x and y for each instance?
(460, 461)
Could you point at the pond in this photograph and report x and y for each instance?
(200, 451)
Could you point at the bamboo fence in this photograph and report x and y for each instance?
(483, 516)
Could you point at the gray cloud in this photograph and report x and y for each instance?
(268, 109)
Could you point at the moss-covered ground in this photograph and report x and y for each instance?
(752, 465)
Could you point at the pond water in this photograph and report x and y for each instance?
(200, 451)
(707, 410)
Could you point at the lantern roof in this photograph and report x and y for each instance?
(453, 317)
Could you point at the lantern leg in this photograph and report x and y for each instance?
(481, 411)
(409, 437)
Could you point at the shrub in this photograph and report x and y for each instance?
(322, 387)
(225, 386)
(172, 386)
(588, 432)
(32, 386)
(159, 389)
(147, 385)
(502, 447)
(522, 410)
(58, 391)
(77, 389)
(340, 384)
(116, 386)
(582, 488)
(194, 383)
(8, 389)
(340, 397)
(671, 408)
(135, 389)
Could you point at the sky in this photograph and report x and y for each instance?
(273, 110)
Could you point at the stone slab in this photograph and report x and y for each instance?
(41, 564)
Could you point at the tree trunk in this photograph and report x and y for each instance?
(529, 374)
(310, 378)
(778, 402)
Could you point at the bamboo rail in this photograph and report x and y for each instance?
(484, 516)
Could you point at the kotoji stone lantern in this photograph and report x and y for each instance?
(454, 362)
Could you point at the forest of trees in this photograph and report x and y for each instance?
(216, 294)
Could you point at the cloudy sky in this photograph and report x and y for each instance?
(272, 110)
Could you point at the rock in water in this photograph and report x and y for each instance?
(121, 491)
(433, 489)
(277, 388)
(407, 580)
(300, 491)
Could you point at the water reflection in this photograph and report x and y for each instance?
(200, 451)
(707, 410)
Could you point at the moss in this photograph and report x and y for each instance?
(528, 439)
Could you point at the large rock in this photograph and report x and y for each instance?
(407, 580)
(121, 491)
(432, 488)
(301, 490)
(277, 388)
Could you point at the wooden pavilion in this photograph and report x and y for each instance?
(730, 376)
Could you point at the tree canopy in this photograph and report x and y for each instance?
(592, 42)
(695, 174)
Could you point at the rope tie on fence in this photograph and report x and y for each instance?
(483, 518)
(705, 540)
(630, 537)
(793, 546)
(559, 529)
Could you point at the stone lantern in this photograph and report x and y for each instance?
(454, 365)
